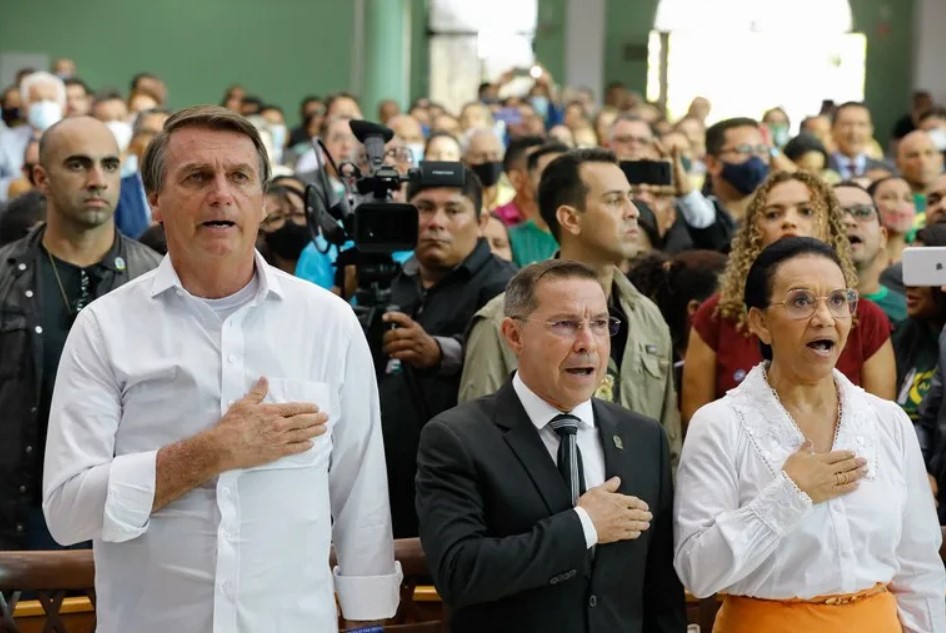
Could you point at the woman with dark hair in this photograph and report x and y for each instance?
(916, 338)
(799, 495)
(896, 206)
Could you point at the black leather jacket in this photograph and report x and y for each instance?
(21, 369)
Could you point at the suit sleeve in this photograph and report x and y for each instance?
(469, 567)
(664, 601)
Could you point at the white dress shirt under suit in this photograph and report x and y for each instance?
(541, 413)
(150, 364)
(743, 527)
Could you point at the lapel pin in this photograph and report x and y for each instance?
(120, 264)
(618, 444)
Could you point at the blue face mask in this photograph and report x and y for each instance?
(745, 177)
(541, 105)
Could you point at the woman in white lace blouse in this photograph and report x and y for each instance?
(799, 495)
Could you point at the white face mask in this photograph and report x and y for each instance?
(122, 132)
(417, 151)
(44, 114)
(938, 136)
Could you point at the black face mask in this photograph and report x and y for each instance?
(288, 240)
(488, 173)
(11, 116)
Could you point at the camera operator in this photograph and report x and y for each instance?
(451, 275)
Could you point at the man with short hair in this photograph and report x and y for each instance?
(584, 197)
(936, 200)
(532, 241)
(868, 239)
(44, 103)
(515, 160)
(152, 85)
(541, 507)
(919, 162)
(78, 97)
(46, 279)
(452, 274)
(852, 132)
(631, 138)
(212, 443)
(483, 154)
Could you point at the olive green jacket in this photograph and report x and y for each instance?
(646, 374)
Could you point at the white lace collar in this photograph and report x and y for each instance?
(774, 434)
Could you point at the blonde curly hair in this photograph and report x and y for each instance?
(747, 243)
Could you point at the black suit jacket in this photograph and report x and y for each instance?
(505, 546)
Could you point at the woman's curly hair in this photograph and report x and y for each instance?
(747, 243)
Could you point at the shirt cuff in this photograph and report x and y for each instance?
(451, 355)
(369, 597)
(130, 496)
(782, 505)
(698, 212)
(588, 527)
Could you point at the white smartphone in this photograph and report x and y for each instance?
(924, 266)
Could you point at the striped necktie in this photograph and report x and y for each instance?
(569, 456)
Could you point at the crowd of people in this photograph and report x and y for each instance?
(626, 355)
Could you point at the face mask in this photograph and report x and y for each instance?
(938, 136)
(488, 173)
(129, 166)
(289, 240)
(745, 177)
(541, 105)
(11, 116)
(687, 163)
(278, 132)
(780, 134)
(44, 114)
(417, 151)
(122, 132)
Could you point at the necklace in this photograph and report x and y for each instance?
(837, 426)
(84, 287)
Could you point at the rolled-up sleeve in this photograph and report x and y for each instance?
(88, 493)
(367, 578)
(697, 211)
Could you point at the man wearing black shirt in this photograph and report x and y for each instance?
(46, 278)
(451, 276)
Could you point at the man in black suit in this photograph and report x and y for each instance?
(852, 131)
(514, 540)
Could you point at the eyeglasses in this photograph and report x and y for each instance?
(569, 328)
(395, 154)
(627, 139)
(801, 304)
(747, 149)
(277, 220)
(861, 212)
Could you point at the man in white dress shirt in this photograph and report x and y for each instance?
(215, 426)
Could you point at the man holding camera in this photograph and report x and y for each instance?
(451, 275)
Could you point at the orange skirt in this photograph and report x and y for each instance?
(873, 610)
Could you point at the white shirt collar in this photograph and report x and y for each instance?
(541, 412)
(166, 278)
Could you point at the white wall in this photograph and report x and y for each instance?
(584, 44)
(929, 52)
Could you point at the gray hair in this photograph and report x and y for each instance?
(154, 163)
(43, 77)
(520, 300)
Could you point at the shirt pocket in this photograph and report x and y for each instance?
(283, 390)
(14, 345)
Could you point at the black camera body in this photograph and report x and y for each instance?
(374, 226)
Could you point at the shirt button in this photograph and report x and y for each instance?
(28, 449)
(22, 489)
(593, 601)
(38, 329)
(33, 410)
(19, 528)
(230, 403)
(21, 267)
(232, 358)
(29, 294)
(228, 588)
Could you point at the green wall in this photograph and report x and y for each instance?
(279, 49)
(549, 44)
